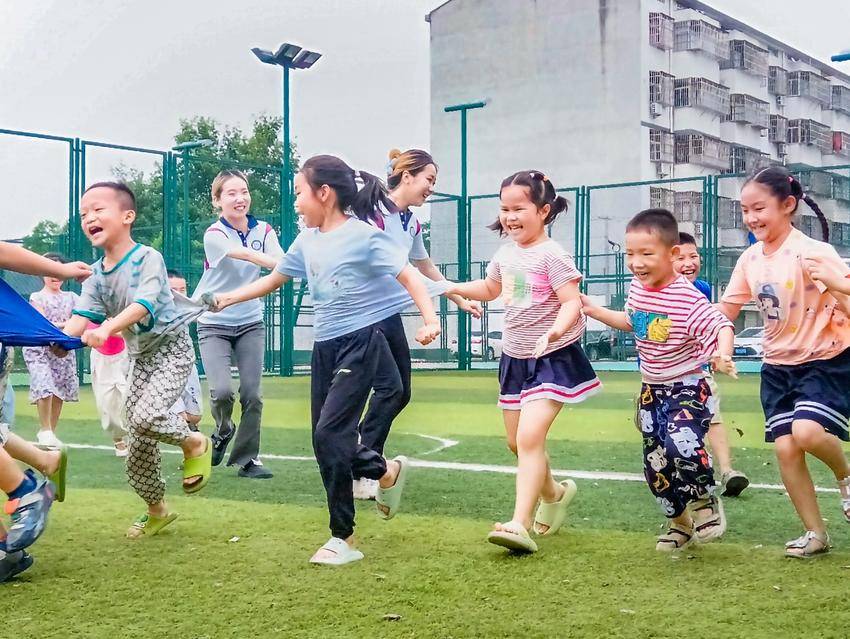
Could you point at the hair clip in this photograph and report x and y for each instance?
(791, 179)
(545, 179)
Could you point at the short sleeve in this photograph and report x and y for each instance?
(90, 304)
(385, 256)
(703, 287)
(417, 249)
(738, 290)
(292, 263)
(153, 284)
(561, 269)
(271, 245)
(494, 268)
(216, 246)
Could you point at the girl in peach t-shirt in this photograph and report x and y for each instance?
(806, 370)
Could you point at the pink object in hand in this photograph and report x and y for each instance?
(113, 345)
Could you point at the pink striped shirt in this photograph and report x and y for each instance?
(675, 328)
(530, 278)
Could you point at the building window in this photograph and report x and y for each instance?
(698, 35)
(701, 93)
(748, 110)
(743, 159)
(703, 150)
(841, 191)
(660, 146)
(729, 213)
(661, 88)
(841, 98)
(661, 198)
(778, 131)
(806, 84)
(816, 182)
(841, 143)
(661, 31)
(777, 81)
(747, 57)
(811, 133)
(687, 206)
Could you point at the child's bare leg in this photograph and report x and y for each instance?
(45, 407)
(812, 438)
(55, 411)
(798, 482)
(719, 440)
(511, 418)
(11, 475)
(45, 461)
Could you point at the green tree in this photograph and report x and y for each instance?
(46, 236)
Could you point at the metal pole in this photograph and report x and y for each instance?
(287, 228)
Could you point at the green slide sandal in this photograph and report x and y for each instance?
(553, 515)
(147, 525)
(58, 478)
(200, 466)
(388, 500)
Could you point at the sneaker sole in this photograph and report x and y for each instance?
(735, 486)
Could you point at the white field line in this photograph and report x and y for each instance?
(475, 468)
(444, 443)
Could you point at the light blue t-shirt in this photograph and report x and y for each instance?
(139, 277)
(349, 271)
(223, 274)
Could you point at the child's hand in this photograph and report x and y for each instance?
(95, 337)
(587, 304)
(428, 333)
(75, 271)
(215, 303)
(543, 343)
(724, 364)
(471, 307)
(823, 271)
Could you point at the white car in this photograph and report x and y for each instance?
(748, 343)
(494, 345)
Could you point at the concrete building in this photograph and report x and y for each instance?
(609, 91)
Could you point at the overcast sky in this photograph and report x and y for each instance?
(127, 70)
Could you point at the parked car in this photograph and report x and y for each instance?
(609, 344)
(748, 343)
(493, 349)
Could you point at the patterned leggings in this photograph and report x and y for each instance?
(156, 382)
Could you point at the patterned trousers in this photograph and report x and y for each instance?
(156, 381)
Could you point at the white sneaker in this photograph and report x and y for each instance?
(122, 451)
(47, 438)
(365, 488)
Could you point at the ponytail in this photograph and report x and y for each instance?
(329, 170)
(541, 192)
(782, 184)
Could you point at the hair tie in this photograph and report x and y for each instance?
(791, 179)
(357, 175)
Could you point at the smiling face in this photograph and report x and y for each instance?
(104, 217)
(688, 261)
(520, 218)
(767, 216)
(311, 205)
(234, 200)
(415, 189)
(649, 258)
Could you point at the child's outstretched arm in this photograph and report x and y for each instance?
(722, 358)
(263, 286)
(259, 258)
(427, 267)
(570, 298)
(18, 259)
(614, 319)
(485, 290)
(431, 329)
(825, 272)
(95, 337)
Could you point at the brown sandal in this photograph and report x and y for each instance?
(676, 538)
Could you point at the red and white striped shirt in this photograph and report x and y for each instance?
(675, 328)
(530, 277)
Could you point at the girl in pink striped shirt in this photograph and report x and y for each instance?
(542, 364)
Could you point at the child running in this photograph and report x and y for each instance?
(128, 293)
(543, 365)
(53, 378)
(411, 177)
(795, 281)
(29, 499)
(732, 482)
(677, 331)
(349, 266)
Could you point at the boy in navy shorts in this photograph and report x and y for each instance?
(677, 332)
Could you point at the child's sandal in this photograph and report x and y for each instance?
(809, 545)
(844, 492)
(676, 538)
(709, 519)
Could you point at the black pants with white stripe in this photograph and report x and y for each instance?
(343, 372)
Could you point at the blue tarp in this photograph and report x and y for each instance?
(22, 325)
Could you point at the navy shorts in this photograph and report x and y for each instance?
(817, 390)
(564, 375)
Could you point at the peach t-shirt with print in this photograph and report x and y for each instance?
(802, 321)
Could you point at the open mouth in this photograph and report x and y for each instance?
(94, 231)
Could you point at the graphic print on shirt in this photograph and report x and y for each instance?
(324, 290)
(522, 289)
(768, 302)
(654, 327)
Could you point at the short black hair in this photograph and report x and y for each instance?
(658, 221)
(687, 238)
(56, 257)
(124, 193)
(174, 273)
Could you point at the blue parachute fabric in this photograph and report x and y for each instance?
(22, 325)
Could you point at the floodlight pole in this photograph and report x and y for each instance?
(464, 235)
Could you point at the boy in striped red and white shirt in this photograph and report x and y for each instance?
(677, 332)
